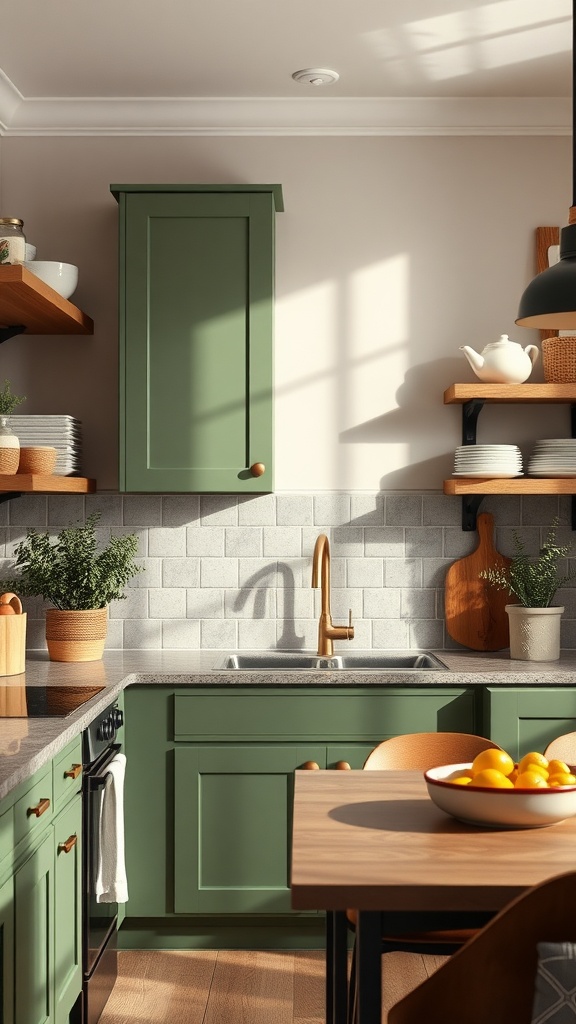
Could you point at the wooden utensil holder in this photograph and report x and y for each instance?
(12, 637)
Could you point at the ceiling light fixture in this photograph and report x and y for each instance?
(549, 301)
(317, 76)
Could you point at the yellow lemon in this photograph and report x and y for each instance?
(539, 769)
(491, 778)
(493, 758)
(555, 767)
(530, 780)
(562, 779)
(533, 757)
(462, 780)
(459, 773)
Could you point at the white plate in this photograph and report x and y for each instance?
(551, 472)
(494, 476)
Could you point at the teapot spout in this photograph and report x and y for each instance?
(476, 361)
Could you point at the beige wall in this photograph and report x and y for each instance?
(391, 254)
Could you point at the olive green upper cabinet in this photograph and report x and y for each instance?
(196, 326)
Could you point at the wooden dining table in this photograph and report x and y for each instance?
(375, 841)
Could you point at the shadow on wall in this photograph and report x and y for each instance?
(289, 637)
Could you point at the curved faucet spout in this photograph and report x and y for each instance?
(327, 633)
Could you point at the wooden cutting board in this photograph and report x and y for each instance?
(474, 610)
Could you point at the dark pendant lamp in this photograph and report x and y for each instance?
(549, 302)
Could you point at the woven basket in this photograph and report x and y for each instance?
(37, 459)
(559, 360)
(9, 460)
(76, 636)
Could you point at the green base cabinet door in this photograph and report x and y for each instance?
(34, 945)
(68, 910)
(196, 331)
(7, 951)
(521, 719)
(233, 807)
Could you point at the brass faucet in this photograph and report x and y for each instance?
(326, 631)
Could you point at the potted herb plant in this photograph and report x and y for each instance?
(79, 580)
(9, 443)
(533, 580)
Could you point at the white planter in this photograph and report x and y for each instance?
(534, 632)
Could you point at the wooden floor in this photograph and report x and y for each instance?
(239, 987)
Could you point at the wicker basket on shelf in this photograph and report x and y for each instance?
(559, 360)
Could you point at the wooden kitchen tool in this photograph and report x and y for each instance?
(474, 610)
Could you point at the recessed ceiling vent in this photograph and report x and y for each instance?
(316, 76)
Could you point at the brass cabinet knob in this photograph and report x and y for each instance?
(342, 766)
(257, 468)
(68, 844)
(40, 808)
(310, 766)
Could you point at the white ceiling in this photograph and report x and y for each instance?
(185, 66)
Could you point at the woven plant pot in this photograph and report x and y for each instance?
(76, 636)
(559, 360)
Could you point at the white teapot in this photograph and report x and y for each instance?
(502, 362)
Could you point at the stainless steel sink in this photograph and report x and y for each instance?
(284, 660)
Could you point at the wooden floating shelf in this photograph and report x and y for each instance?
(526, 485)
(459, 393)
(38, 483)
(28, 302)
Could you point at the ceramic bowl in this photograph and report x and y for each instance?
(37, 459)
(499, 808)
(62, 277)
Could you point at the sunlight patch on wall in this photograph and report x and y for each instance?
(378, 329)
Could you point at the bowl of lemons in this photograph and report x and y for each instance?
(494, 791)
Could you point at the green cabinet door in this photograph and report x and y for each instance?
(521, 719)
(196, 325)
(34, 943)
(68, 915)
(7, 952)
(233, 809)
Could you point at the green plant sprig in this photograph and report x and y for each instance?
(69, 571)
(533, 580)
(8, 400)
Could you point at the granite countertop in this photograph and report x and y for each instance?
(28, 743)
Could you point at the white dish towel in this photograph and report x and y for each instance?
(111, 882)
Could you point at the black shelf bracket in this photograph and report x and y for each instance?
(470, 412)
(11, 332)
(8, 495)
(470, 505)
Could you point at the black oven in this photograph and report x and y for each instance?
(101, 744)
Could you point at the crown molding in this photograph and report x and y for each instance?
(175, 116)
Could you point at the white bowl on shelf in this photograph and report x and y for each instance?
(499, 808)
(62, 277)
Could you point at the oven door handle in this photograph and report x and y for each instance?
(98, 778)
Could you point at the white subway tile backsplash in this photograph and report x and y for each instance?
(228, 571)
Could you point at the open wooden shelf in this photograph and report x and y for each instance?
(27, 302)
(37, 483)
(459, 393)
(520, 485)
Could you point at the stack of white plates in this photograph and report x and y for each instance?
(553, 457)
(492, 460)
(64, 433)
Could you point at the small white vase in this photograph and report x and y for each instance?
(534, 632)
(9, 448)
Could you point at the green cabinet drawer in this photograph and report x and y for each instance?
(68, 901)
(321, 715)
(34, 811)
(67, 773)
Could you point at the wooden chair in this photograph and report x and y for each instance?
(492, 978)
(563, 748)
(440, 934)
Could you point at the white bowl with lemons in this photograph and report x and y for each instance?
(494, 792)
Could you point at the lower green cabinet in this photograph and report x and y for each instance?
(34, 944)
(210, 779)
(7, 951)
(68, 904)
(527, 718)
